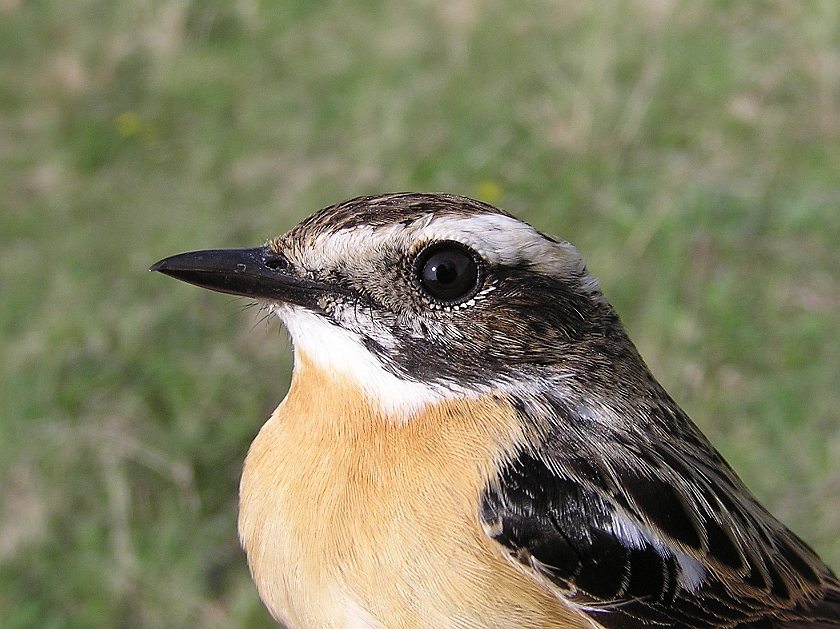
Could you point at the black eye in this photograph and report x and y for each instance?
(448, 272)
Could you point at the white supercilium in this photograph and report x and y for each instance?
(497, 238)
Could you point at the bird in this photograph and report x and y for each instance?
(471, 440)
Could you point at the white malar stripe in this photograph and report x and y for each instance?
(337, 350)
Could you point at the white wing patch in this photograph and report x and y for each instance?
(692, 572)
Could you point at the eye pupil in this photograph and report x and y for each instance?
(448, 272)
(445, 272)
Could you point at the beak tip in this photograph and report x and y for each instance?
(166, 265)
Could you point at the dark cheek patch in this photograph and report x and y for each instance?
(493, 336)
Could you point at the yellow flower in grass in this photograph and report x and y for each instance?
(128, 124)
(488, 191)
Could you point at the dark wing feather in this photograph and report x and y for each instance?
(640, 531)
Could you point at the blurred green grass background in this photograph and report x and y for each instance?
(690, 149)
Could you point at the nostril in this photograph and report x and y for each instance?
(277, 262)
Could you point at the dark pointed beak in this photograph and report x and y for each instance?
(259, 273)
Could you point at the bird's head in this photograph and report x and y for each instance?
(421, 297)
